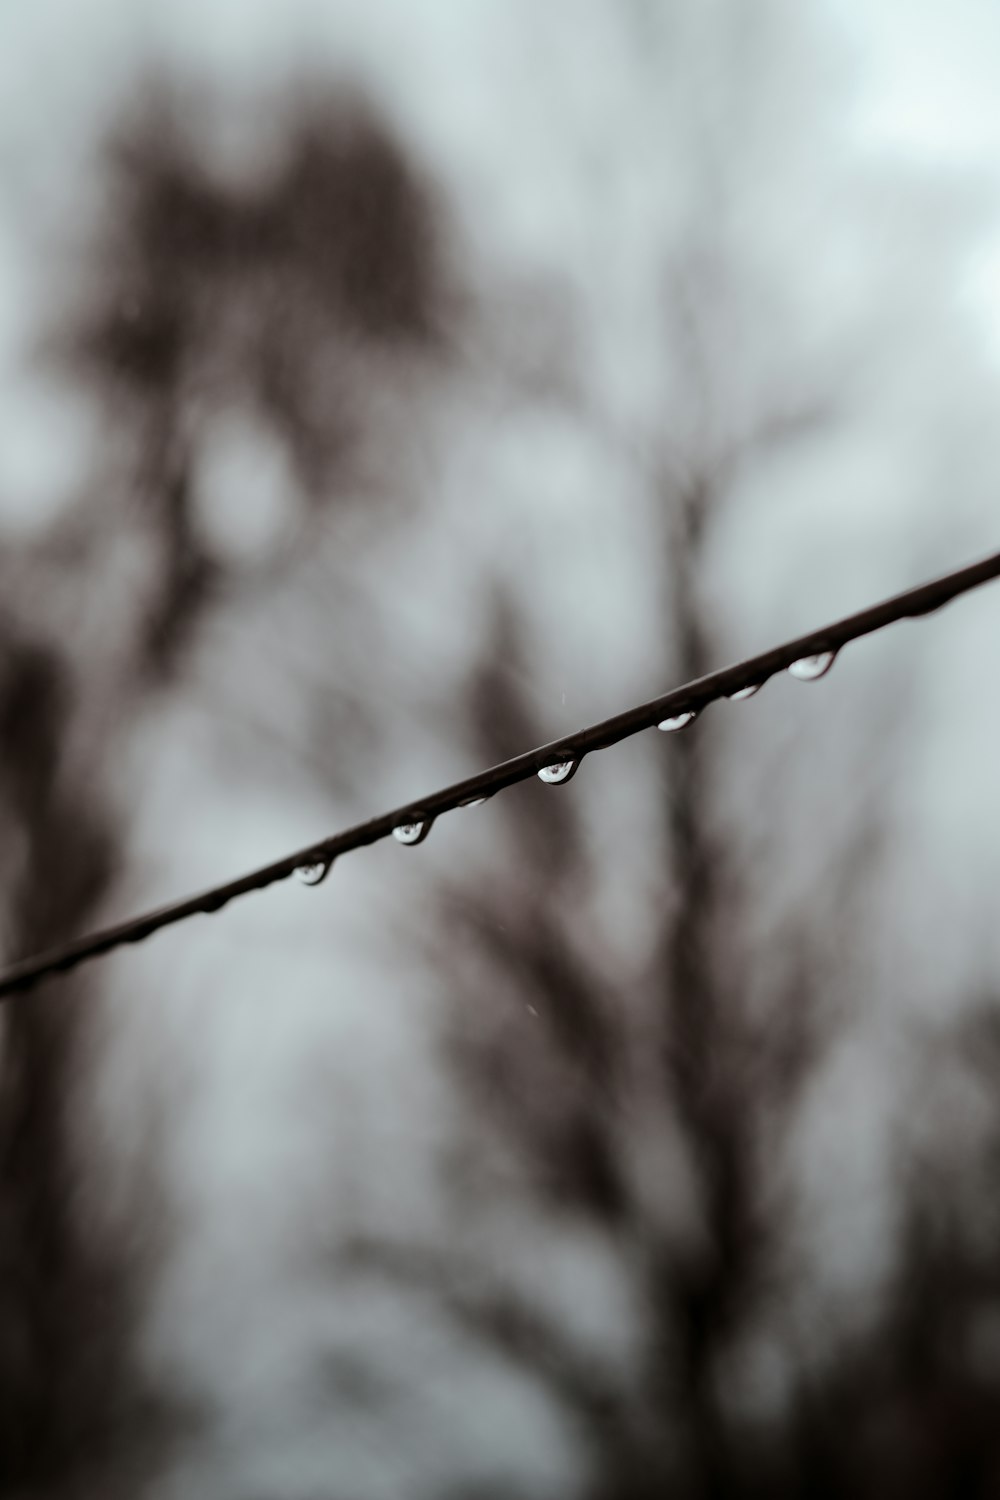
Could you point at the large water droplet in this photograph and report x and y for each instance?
(412, 833)
(557, 772)
(809, 668)
(741, 694)
(314, 873)
(678, 721)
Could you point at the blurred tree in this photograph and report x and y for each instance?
(556, 1057)
(280, 296)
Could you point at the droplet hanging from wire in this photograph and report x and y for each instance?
(413, 832)
(812, 668)
(557, 772)
(678, 721)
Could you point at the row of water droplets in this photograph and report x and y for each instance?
(558, 772)
(417, 829)
(806, 669)
(414, 831)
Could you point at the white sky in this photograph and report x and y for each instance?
(925, 75)
(930, 94)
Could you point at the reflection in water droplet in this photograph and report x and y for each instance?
(411, 833)
(314, 873)
(678, 721)
(809, 668)
(741, 694)
(557, 772)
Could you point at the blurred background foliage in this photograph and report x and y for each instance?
(380, 416)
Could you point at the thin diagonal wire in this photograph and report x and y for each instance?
(695, 696)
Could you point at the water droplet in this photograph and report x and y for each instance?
(313, 874)
(678, 721)
(412, 833)
(741, 694)
(809, 668)
(473, 801)
(557, 772)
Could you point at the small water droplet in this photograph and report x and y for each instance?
(809, 668)
(473, 801)
(313, 874)
(741, 694)
(557, 772)
(412, 833)
(678, 721)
